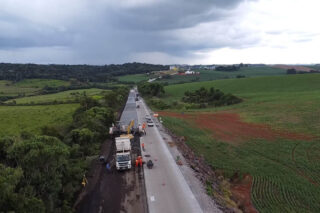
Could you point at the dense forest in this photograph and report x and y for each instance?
(43, 173)
(84, 73)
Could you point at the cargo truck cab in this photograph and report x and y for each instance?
(123, 152)
(123, 161)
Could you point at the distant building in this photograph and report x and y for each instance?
(190, 72)
(173, 67)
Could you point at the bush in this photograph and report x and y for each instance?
(204, 97)
(151, 89)
(159, 104)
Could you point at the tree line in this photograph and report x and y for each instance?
(151, 89)
(294, 71)
(43, 173)
(83, 73)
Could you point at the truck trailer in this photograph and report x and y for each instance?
(123, 153)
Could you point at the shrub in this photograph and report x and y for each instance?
(213, 97)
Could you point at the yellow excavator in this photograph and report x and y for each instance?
(128, 135)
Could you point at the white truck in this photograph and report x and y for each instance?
(123, 153)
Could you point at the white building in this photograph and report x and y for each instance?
(190, 72)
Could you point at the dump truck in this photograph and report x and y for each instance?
(123, 152)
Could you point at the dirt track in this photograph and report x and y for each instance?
(112, 191)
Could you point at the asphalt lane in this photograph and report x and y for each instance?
(167, 190)
(130, 113)
(134, 199)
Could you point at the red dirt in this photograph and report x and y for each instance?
(242, 192)
(230, 128)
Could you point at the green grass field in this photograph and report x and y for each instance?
(285, 173)
(206, 75)
(7, 88)
(28, 86)
(40, 83)
(291, 102)
(209, 75)
(69, 95)
(134, 78)
(15, 119)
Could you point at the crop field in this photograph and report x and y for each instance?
(15, 119)
(7, 88)
(209, 75)
(28, 86)
(70, 95)
(133, 78)
(40, 83)
(273, 136)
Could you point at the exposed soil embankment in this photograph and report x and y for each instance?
(229, 127)
(241, 190)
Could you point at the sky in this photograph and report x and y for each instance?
(160, 31)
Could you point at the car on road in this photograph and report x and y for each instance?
(150, 123)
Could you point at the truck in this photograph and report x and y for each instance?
(123, 153)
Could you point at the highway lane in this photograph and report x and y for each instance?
(130, 113)
(134, 198)
(167, 190)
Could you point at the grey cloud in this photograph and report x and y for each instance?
(110, 33)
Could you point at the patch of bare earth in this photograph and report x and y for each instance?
(241, 190)
(229, 127)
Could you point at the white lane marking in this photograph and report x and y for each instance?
(152, 199)
(195, 207)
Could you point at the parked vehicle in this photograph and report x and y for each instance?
(123, 153)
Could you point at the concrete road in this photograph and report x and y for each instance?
(167, 190)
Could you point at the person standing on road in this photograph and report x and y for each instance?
(144, 128)
(108, 167)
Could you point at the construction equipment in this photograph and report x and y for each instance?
(123, 152)
(129, 130)
(119, 129)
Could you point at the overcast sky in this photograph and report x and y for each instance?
(160, 31)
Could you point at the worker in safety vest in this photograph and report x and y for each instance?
(140, 161)
(137, 162)
(142, 146)
(84, 181)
